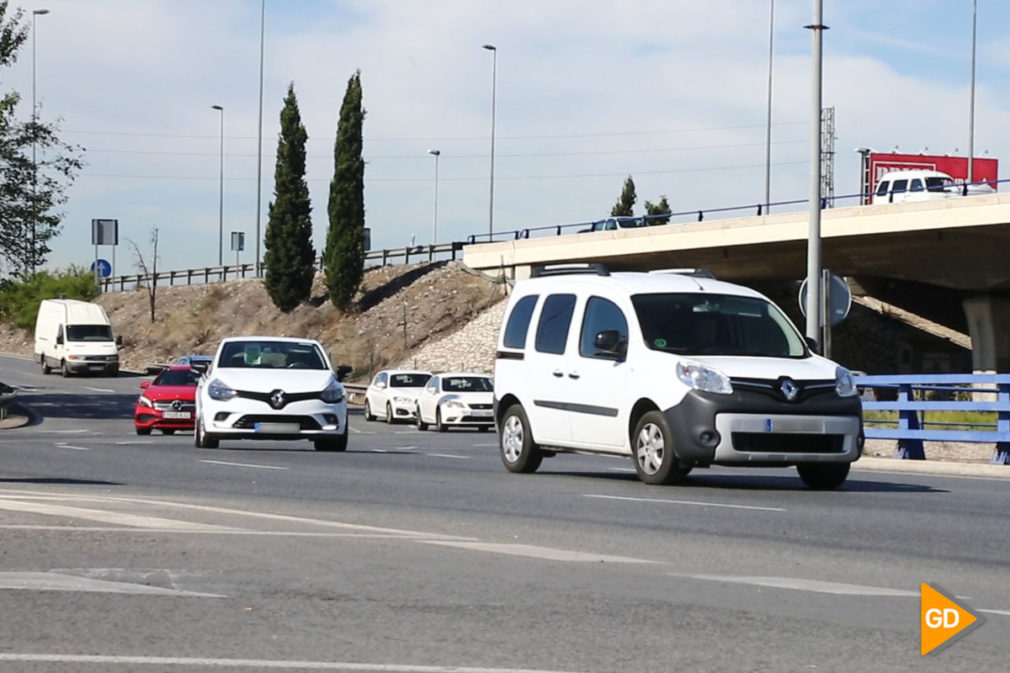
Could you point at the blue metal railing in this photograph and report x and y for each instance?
(914, 395)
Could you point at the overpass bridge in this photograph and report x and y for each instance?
(947, 260)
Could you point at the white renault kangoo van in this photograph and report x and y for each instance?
(676, 371)
(76, 338)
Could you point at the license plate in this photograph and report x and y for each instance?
(277, 428)
(176, 414)
(96, 367)
(481, 412)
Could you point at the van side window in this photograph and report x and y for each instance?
(555, 319)
(900, 186)
(601, 315)
(916, 185)
(882, 187)
(519, 322)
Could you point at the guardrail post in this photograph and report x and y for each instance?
(701, 216)
(1002, 454)
(908, 419)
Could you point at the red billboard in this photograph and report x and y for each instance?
(878, 163)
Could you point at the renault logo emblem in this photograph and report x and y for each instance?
(789, 389)
(277, 400)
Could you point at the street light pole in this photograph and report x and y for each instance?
(434, 227)
(768, 131)
(35, 166)
(220, 207)
(259, 139)
(494, 79)
(815, 299)
(971, 107)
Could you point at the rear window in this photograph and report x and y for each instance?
(408, 380)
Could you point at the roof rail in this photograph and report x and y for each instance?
(697, 273)
(540, 270)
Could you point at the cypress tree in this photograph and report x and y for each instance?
(625, 205)
(289, 255)
(345, 239)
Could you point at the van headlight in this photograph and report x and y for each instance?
(845, 385)
(702, 377)
(219, 391)
(333, 393)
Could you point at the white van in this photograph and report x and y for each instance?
(76, 338)
(914, 185)
(675, 371)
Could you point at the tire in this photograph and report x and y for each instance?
(200, 437)
(823, 476)
(46, 369)
(143, 431)
(653, 452)
(439, 425)
(338, 443)
(389, 414)
(369, 416)
(169, 431)
(518, 451)
(64, 369)
(421, 425)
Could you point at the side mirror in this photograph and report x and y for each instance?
(812, 344)
(119, 340)
(343, 371)
(608, 343)
(59, 339)
(145, 384)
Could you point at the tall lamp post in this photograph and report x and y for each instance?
(259, 138)
(220, 206)
(434, 226)
(35, 167)
(768, 129)
(494, 78)
(971, 107)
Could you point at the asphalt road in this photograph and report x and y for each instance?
(417, 551)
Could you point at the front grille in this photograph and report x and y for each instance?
(168, 406)
(249, 421)
(101, 358)
(773, 388)
(480, 406)
(769, 442)
(477, 419)
(285, 397)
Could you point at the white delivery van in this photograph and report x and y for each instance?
(914, 185)
(76, 338)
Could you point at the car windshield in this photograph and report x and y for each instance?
(467, 384)
(89, 333)
(176, 377)
(271, 355)
(414, 380)
(707, 324)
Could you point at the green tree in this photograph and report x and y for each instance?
(289, 256)
(626, 204)
(345, 239)
(30, 190)
(661, 208)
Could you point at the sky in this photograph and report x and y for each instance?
(673, 93)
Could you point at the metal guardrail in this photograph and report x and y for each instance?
(911, 396)
(215, 274)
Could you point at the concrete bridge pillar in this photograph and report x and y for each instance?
(989, 328)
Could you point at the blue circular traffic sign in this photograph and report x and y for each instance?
(103, 266)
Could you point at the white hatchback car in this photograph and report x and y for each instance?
(277, 388)
(456, 399)
(393, 394)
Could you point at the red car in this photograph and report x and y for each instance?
(168, 403)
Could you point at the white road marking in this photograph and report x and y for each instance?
(233, 532)
(118, 518)
(622, 469)
(256, 664)
(687, 502)
(100, 390)
(817, 586)
(38, 581)
(75, 431)
(448, 455)
(259, 467)
(1005, 613)
(486, 445)
(531, 551)
(360, 432)
(60, 445)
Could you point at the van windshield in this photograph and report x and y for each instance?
(938, 184)
(89, 333)
(711, 324)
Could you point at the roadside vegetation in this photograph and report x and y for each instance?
(19, 300)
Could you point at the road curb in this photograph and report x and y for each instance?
(942, 467)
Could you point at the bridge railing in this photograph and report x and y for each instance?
(213, 274)
(913, 409)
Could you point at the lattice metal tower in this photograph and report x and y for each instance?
(828, 156)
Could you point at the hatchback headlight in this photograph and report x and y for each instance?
(219, 391)
(453, 404)
(144, 402)
(403, 401)
(845, 385)
(333, 393)
(702, 377)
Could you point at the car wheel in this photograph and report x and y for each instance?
(518, 451)
(201, 438)
(653, 452)
(824, 477)
(64, 369)
(169, 431)
(369, 416)
(46, 369)
(421, 425)
(143, 431)
(338, 443)
(389, 413)
(439, 425)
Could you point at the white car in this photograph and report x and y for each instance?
(393, 394)
(456, 399)
(275, 388)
